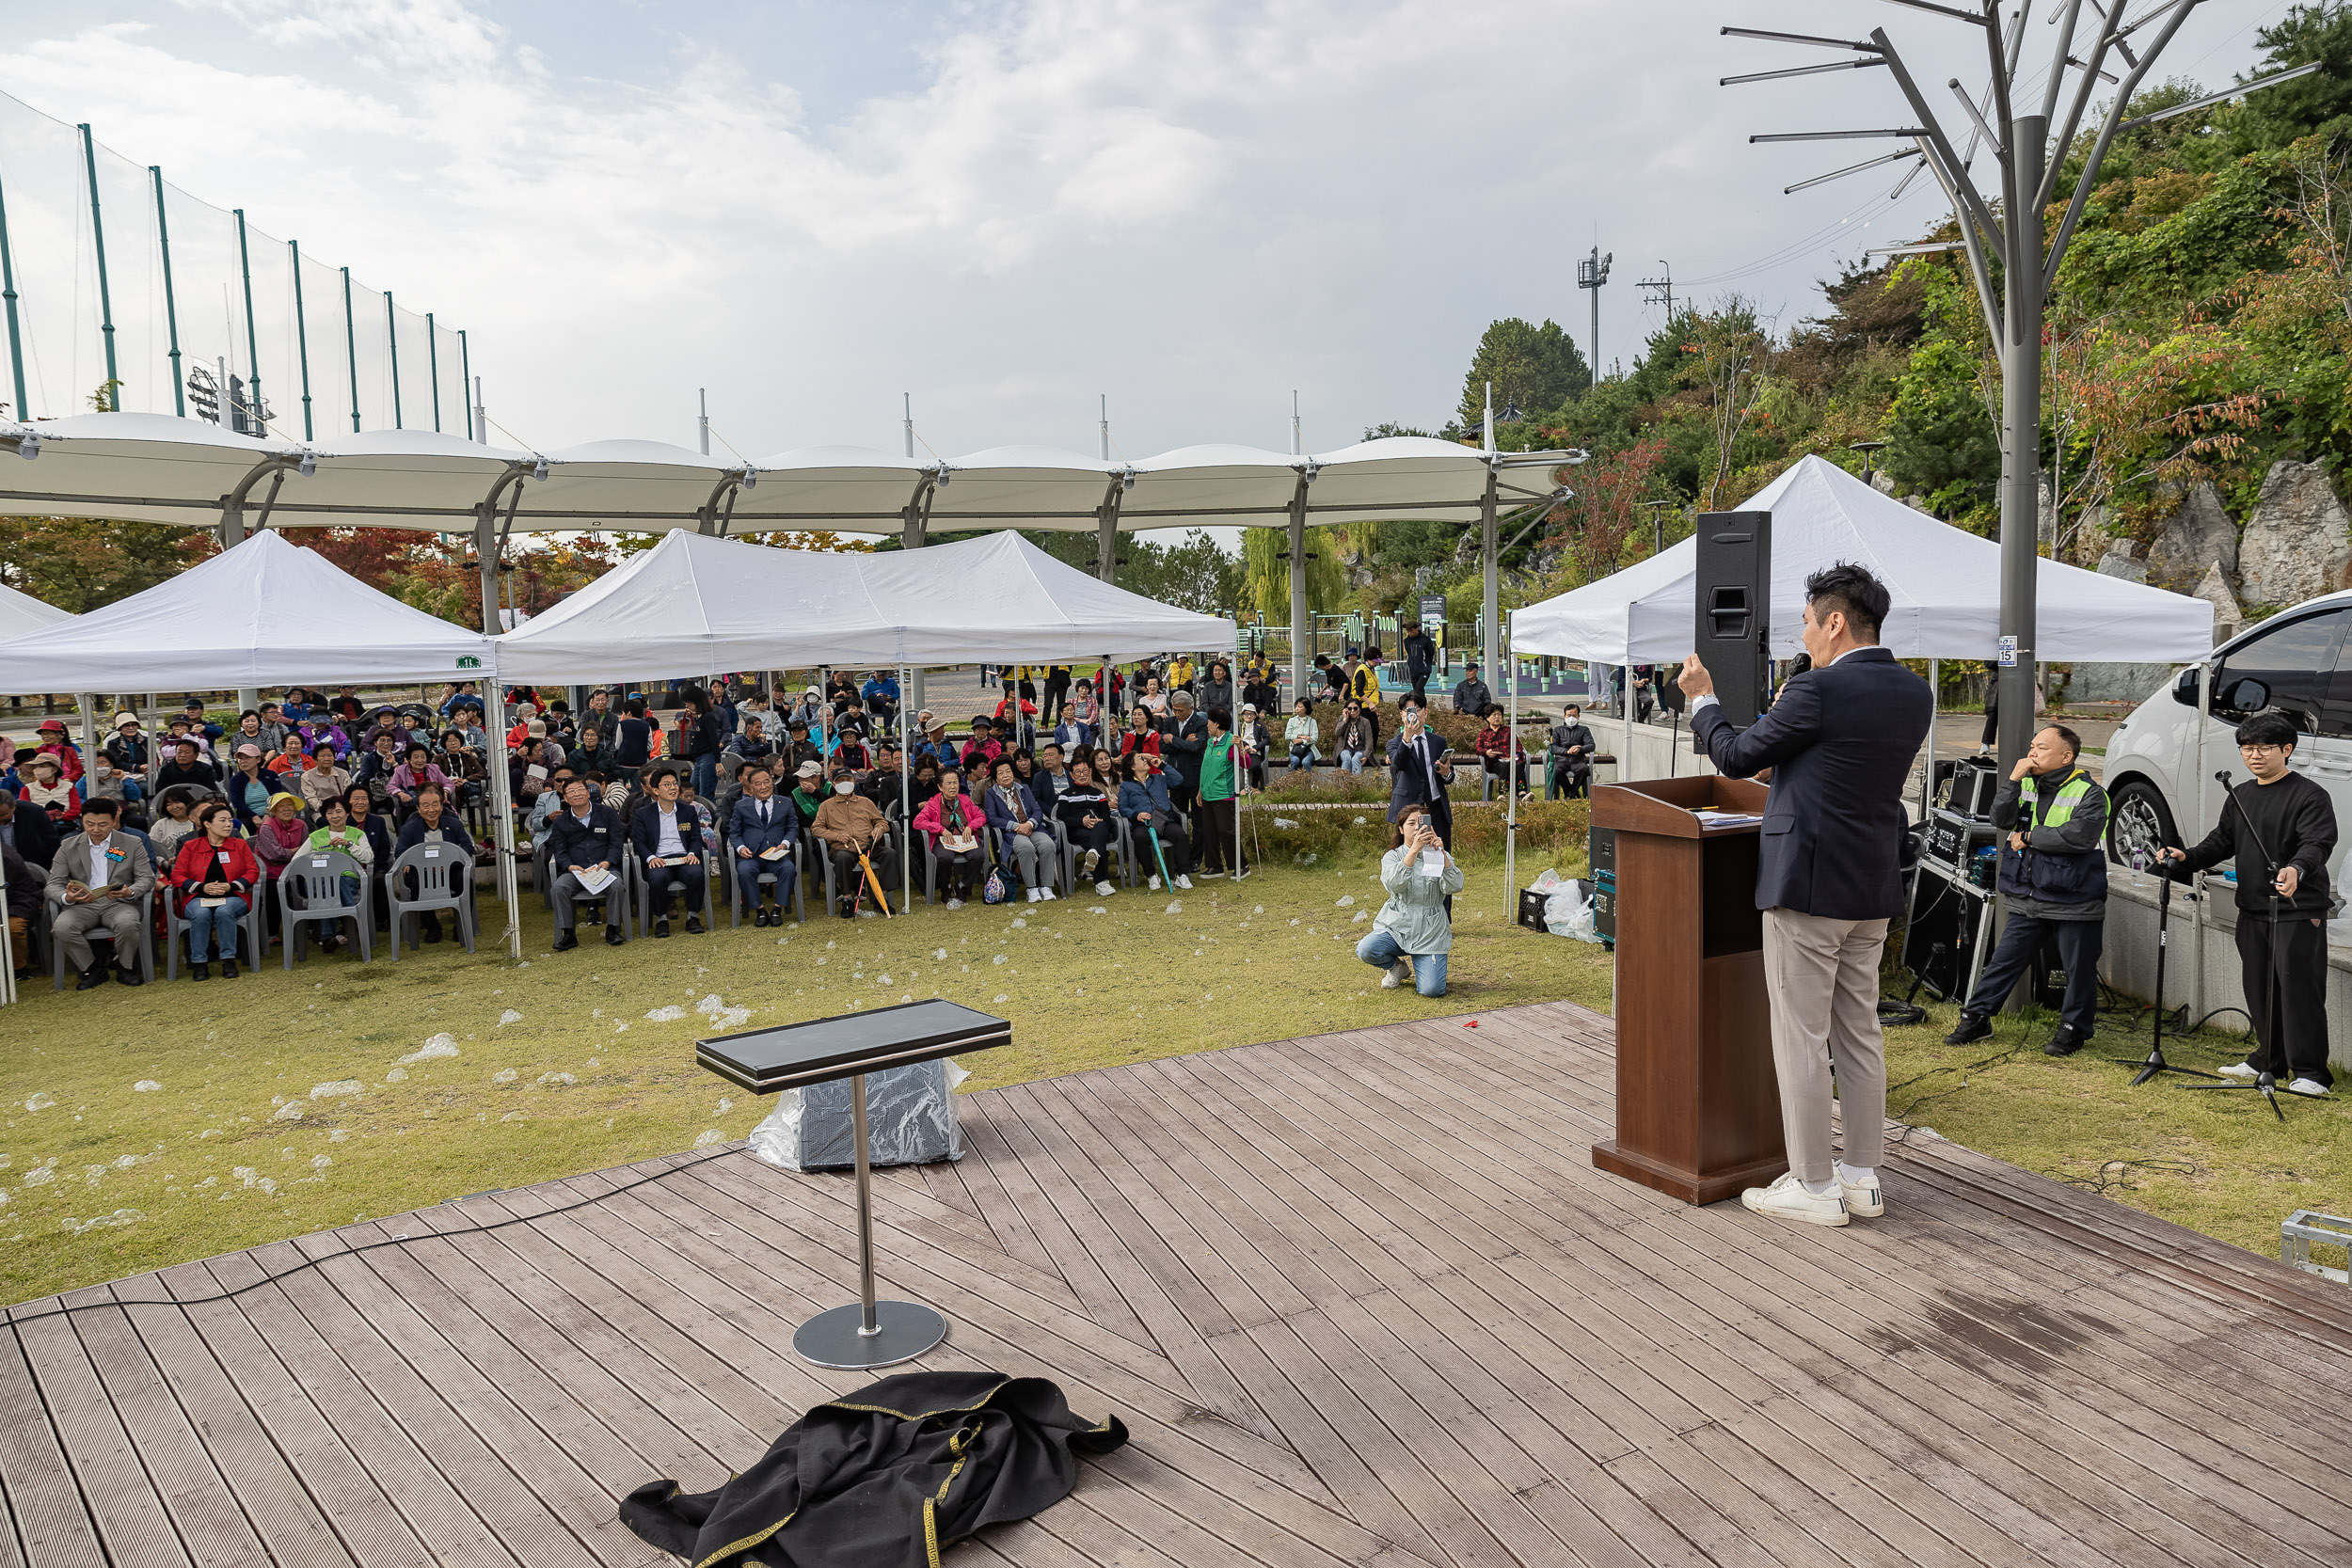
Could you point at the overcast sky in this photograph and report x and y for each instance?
(1005, 208)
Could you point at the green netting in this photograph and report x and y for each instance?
(221, 328)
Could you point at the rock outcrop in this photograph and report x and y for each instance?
(2119, 563)
(2228, 619)
(2199, 535)
(2298, 543)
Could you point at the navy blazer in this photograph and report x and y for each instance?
(645, 830)
(1840, 742)
(745, 831)
(594, 842)
(1413, 779)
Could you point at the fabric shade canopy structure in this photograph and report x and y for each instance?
(1945, 584)
(21, 613)
(698, 604)
(266, 613)
(155, 468)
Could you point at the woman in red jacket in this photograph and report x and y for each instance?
(214, 879)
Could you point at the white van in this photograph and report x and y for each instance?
(2299, 663)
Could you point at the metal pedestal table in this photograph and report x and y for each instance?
(866, 1332)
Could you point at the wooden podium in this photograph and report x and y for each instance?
(1698, 1104)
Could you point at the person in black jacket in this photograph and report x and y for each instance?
(1184, 737)
(705, 737)
(2280, 831)
(1839, 741)
(669, 841)
(1421, 657)
(433, 822)
(368, 819)
(1568, 765)
(28, 831)
(584, 836)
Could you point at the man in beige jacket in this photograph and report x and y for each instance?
(848, 824)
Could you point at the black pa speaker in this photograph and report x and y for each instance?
(1733, 602)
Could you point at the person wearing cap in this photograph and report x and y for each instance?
(278, 837)
(184, 763)
(48, 790)
(193, 710)
(128, 747)
(96, 879)
(980, 753)
(249, 786)
(808, 791)
(385, 721)
(935, 743)
(1257, 743)
(54, 744)
(669, 841)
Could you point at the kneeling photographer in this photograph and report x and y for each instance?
(2054, 878)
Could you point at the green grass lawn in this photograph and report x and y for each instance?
(179, 1121)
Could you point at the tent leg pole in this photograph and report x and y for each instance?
(1511, 808)
(1490, 568)
(1927, 769)
(1300, 636)
(503, 813)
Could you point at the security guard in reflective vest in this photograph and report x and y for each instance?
(2053, 880)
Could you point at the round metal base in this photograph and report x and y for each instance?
(831, 1338)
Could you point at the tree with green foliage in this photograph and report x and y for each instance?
(1536, 368)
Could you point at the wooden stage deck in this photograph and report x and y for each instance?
(1361, 1298)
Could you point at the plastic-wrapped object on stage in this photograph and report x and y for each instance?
(909, 1120)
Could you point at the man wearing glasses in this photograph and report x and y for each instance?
(2281, 832)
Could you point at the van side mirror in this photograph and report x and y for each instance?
(2184, 686)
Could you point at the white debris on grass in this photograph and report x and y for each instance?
(320, 1162)
(504, 1075)
(42, 1175)
(336, 1089)
(1000, 997)
(1357, 823)
(708, 1136)
(398, 1075)
(1096, 909)
(439, 1046)
(670, 1014)
(41, 1100)
(1348, 901)
(1000, 958)
(339, 1135)
(145, 1086)
(1175, 906)
(1306, 859)
(1284, 822)
(102, 1221)
(1257, 908)
(554, 1080)
(509, 1016)
(290, 1111)
(1362, 914)
(939, 953)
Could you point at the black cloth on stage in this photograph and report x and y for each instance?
(883, 1477)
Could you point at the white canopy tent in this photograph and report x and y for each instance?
(20, 613)
(703, 604)
(267, 614)
(1944, 583)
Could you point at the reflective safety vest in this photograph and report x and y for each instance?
(2047, 875)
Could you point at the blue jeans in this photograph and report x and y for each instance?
(1380, 950)
(707, 777)
(1352, 761)
(1302, 759)
(213, 931)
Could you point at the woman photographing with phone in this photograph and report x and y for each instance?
(1412, 934)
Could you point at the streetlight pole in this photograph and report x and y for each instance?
(2011, 261)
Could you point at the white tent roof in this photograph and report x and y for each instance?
(1945, 584)
(154, 468)
(20, 613)
(698, 603)
(266, 613)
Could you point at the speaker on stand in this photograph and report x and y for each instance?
(1732, 600)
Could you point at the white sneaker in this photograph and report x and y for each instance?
(1400, 973)
(1183, 881)
(1103, 890)
(1049, 895)
(1094, 857)
(1786, 1199)
(1033, 892)
(1152, 883)
(2244, 1071)
(1863, 1197)
(955, 903)
(2311, 1087)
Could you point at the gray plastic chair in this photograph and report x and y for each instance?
(99, 933)
(444, 882)
(317, 880)
(250, 935)
(735, 889)
(825, 857)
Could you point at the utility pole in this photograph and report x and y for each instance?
(1664, 286)
(2011, 261)
(909, 404)
(1106, 427)
(704, 393)
(1592, 273)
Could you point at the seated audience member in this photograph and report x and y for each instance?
(26, 887)
(337, 833)
(1257, 688)
(923, 784)
(48, 790)
(127, 748)
(249, 728)
(249, 789)
(414, 773)
(97, 878)
(273, 724)
(1355, 738)
(1052, 775)
(880, 695)
(538, 824)
(432, 822)
(690, 798)
(847, 824)
(278, 837)
(852, 753)
(366, 817)
(28, 831)
(584, 837)
(1257, 744)
(1497, 747)
(1568, 765)
(469, 771)
(385, 721)
(808, 792)
(214, 878)
(759, 824)
(670, 848)
(887, 786)
(753, 744)
(951, 823)
(1151, 698)
(1413, 932)
(175, 820)
(1024, 768)
(1142, 733)
(593, 753)
(527, 767)
(54, 744)
(1025, 845)
(1217, 687)
(1143, 801)
(1301, 733)
(1084, 711)
(324, 781)
(1090, 822)
(185, 765)
(853, 718)
(980, 753)
(200, 725)
(105, 779)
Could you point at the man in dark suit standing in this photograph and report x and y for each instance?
(1419, 772)
(1840, 740)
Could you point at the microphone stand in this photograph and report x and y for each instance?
(2153, 1063)
(2266, 1086)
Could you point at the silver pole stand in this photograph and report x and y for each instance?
(868, 1333)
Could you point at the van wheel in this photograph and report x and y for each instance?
(2138, 824)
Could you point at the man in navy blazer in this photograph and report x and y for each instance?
(669, 841)
(761, 821)
(1840, 739)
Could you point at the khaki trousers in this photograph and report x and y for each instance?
(1822, 978)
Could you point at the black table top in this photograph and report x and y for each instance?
(793, 1055)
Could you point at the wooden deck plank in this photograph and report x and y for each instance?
(1361, 1298)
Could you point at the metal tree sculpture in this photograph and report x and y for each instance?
(2011, 257)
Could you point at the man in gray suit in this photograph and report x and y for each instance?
(100, 874)
(1839, 739)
